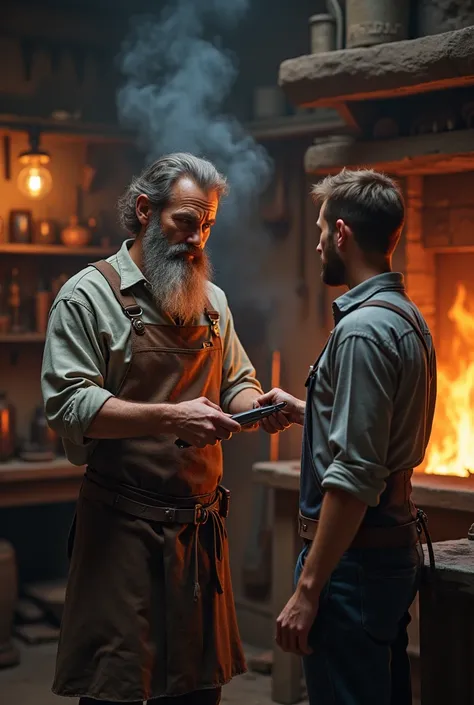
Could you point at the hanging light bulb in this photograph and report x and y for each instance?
(34, 180)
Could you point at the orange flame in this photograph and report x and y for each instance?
(451, 448)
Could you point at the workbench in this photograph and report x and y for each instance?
(23, 483)
(283, 478)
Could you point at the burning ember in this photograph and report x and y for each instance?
(451, 449)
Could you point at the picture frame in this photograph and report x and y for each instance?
(21, 226)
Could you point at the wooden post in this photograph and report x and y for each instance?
(287, 669)
(275, 382)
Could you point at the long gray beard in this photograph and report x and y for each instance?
(179, 286)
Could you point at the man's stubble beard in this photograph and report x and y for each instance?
(333, 271)
(179, 285)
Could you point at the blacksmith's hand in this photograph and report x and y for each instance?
(201, 423)
(295, 622)
(284, 418)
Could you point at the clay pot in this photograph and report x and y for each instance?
(9, 654)
(328, 152)
(75, 235)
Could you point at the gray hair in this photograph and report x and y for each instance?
(369, 202)
(158, 179)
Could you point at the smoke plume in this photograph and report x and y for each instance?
(176, 81)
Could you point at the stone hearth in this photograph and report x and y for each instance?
(409, 111)
(384, 71)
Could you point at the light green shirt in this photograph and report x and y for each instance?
(88, 348)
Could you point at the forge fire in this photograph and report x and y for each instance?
(451, 449)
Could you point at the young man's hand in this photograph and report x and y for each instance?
(292, 413)
(295, 622)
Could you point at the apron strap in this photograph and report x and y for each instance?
(127, 302)
(214, 317)
(129, 305)
(409, 319)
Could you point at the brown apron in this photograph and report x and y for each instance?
(149, 608)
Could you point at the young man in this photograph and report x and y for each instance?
(367, 421)
(141, 349)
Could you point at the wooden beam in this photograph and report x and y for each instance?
(397, 92)
(287, 668)
(446, 152)
(347, 116)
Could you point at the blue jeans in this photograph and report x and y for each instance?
(359, 637)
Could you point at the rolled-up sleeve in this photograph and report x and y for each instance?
(73, 371)
(365, 382)
(238, 372)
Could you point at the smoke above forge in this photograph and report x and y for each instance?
(176, 80)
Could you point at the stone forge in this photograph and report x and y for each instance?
(399, 68)
(409, 111)
(410, 104)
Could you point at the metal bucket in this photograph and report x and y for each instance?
(370, 22)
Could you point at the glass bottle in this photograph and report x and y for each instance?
(14, 301)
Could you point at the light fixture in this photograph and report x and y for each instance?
(34, 180)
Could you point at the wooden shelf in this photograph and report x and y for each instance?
(29, 249)
(23, 483)
(21, 338)
(322, 122)
(70, 130)
(450, 249)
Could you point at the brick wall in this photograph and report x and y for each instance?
(420, 268)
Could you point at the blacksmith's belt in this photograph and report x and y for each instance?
(401, 536)
(197, 514)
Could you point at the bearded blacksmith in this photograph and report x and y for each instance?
(140, 350)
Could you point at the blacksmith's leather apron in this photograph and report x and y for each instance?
(149, 608)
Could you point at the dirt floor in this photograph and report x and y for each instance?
(30, 682)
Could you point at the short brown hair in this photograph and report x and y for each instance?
(369, 202)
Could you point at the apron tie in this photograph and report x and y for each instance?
(212, 514)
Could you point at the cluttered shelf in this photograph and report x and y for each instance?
(21, 338)
(319, 121)
(66, 128)
(31, 249)
(26, 483)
